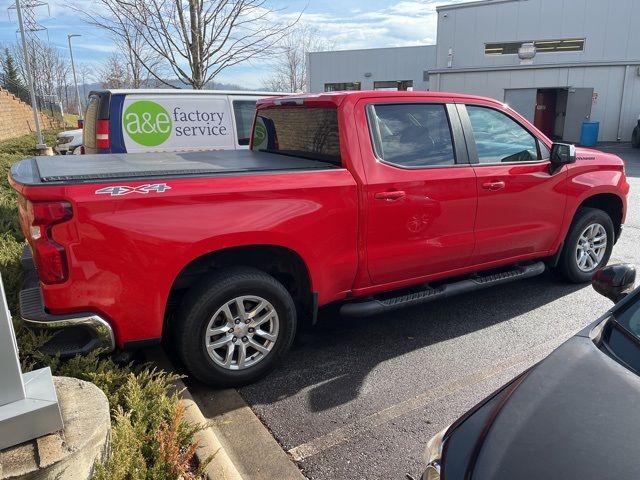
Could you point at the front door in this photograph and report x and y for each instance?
(420, 193)
(545, 116)
(520, 210)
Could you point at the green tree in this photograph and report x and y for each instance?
(12, 80)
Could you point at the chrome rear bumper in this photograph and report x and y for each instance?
(85, 331)
(76, 333)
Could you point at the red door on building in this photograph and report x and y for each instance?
(545, 114)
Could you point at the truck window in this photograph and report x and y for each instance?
(412, 135)
(499, 138)
(244, 111)
(304, 132)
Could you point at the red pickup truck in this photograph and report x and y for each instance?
(377, 199)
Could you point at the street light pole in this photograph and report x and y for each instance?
(73, 68)
(40, 145)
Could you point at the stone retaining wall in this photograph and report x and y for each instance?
(16, 117)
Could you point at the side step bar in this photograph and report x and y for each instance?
(375, 306)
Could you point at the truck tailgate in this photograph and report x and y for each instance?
(95, 168)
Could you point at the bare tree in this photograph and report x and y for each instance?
(142, 63)
(290, 67)
(49, 67)
(194, 39)
(114, 73)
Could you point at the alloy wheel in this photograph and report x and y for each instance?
(242, 332)
(591, 247)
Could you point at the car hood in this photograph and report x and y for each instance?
(574, 416)
(70, 133)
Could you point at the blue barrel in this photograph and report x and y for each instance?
(589, 134)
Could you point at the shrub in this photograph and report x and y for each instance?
(150, 438)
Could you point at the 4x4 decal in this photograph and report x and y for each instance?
(125, 190)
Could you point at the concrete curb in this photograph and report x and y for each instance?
(221, 466)
(241, 431)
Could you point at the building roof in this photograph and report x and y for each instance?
(372, 49)
(477, 3)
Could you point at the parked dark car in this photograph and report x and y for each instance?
(573, 416)
(635, 136)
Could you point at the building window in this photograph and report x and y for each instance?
(394, 85)
(336, 87)
(542, 46)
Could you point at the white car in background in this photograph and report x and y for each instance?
(69, 141)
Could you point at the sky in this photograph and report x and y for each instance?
(348, 24)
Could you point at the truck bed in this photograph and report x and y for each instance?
(73, 169)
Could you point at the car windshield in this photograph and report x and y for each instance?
(629, 318)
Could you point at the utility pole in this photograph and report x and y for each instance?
(73, 69)
(41, 147)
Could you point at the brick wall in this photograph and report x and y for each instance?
(16, 117)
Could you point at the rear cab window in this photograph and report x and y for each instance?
(306, 132)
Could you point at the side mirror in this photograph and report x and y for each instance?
(614, 281)
(562, 154)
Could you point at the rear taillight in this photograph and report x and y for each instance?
(102, 135)
(50, 256)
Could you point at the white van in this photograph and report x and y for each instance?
(169, 120)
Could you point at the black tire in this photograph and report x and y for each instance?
(568, 263)
(203, 301)
(635, 138)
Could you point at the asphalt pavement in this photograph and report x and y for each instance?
(359, 398)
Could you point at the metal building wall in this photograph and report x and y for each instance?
(384, 64)
(609, 26)
(607, 82)
(609, 63)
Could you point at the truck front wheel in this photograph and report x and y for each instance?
(587, 246)
(234, 327)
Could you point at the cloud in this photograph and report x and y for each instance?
(359, 24)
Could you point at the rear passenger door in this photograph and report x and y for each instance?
(420, 190)
(520, 208)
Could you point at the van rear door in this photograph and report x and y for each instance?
(95, 136)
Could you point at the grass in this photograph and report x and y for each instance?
(70, 120)
(150, 438)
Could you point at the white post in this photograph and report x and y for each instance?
(73, 69)
(28, 403)
(10, 375)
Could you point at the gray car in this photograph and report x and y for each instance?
(573, 416)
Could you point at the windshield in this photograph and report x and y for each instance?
(304, 132)
(622, 337)
(629, 318)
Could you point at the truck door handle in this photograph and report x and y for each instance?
(493, 186)
(389, 196)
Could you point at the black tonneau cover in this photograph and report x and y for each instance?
(95, 168)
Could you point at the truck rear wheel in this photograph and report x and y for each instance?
(234, 327)
(588, 245)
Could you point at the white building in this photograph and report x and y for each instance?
(558, 62)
